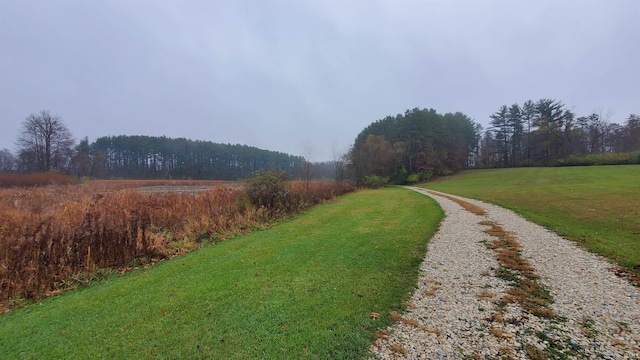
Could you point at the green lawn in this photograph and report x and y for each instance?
(596, 206)
(302, 289)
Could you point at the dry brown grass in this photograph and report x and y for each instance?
(618, 342)
(499, 333)
(485, 295)
(534, 353)
(507, 353)
(399, 318)
(525, 290)
(434, 331)
(396, 348)
(431, 292)
(409, 304)
(474, 209)
(51, 234)
(382, 334)
(498, 318)
(303, 194)
(630, 275)
(588, 332)
(34, 179)
(128, 184)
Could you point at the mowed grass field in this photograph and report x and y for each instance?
(305, 288)
(596, 206)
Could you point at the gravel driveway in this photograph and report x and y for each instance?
(480, 273)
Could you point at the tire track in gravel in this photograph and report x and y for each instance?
(458, 309)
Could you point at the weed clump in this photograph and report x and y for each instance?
(271, 190)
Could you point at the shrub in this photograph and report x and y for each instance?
(445, 172)
(400, 177)
(574, 160)
(425, 175)
(375, 181)
(268, 189)
(413, 178)
(599, 159)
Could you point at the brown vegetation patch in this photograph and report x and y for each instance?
(409, 304)
(506, 353)
(632, 276)
(485, 295)
(497, 317)
(431, 292)
(534, 353)
(474, 209)
(399, 318)
(382, 334)
(587, 327)
(499, 333)
(524, 290)
(396, 348)
(434, 331)
(34, 179)
(618, 342)
(588, 332)
(52, 235)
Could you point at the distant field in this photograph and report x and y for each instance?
(595, 206)
(12, 180)
(309, 288)
(162, 185)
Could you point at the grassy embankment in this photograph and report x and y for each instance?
(304, 288)
(597, 206)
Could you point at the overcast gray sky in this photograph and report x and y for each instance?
(292, 75)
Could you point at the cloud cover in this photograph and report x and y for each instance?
(305, 77)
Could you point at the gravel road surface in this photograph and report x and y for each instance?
(557, 302)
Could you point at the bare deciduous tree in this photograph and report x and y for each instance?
(45, 143)
(339, 162)
(308, 151)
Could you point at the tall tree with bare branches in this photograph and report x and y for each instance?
(44, 143)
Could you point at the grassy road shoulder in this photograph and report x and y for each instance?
(596, 206)
(304, 288)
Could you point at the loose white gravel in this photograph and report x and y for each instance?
(598, 312)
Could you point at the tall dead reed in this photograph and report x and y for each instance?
(48, 235)
(34, 179)
(51, 234)
(304, 194)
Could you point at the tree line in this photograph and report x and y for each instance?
(421, 143)
(45, 144)
(148, 157)
(405, 148)
(545, 133)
